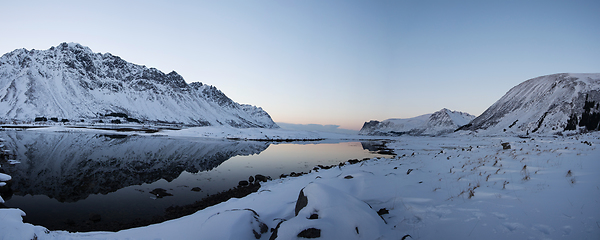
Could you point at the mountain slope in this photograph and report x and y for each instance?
(440, 122)
(72, 82)
(547, 104)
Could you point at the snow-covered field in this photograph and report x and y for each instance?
(455, 187)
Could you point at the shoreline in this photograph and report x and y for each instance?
(459, 186)
(244, 189)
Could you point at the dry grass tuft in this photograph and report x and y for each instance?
(504, 185)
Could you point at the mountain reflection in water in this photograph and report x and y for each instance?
(83, 181)
(71, 166)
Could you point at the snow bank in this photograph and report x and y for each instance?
(323, 211)
(3, 179)
(12, 226)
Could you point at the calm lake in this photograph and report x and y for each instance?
(82, 181)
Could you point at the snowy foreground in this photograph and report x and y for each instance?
(458, 187)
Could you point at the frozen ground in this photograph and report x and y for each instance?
(457, 187)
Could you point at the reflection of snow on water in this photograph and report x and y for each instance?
(77, 174)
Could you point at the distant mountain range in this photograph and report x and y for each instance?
(549, 104)
(438, 123)
(71, 83)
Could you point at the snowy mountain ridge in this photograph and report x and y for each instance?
(433, 124)
(548, 105)
(71, 82)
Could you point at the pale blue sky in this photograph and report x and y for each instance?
(329, 62)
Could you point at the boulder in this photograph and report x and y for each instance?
(243, 183)
(328, 213)
(260, 178)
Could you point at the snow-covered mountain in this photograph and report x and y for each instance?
(73, 83)
(433, 124)
(548, 104)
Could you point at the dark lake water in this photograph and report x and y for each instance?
(67, 179)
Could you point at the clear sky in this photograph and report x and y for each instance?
(329, 62)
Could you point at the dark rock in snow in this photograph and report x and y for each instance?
(353, 161)
(310, 233)
(275, 230)
(383, 211)
(301, 202)
(196, 189)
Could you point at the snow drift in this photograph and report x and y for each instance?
(70, 82)
(548, 104)
(440, 122)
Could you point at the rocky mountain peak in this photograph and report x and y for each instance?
(70, 81)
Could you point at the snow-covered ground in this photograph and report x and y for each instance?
(455, 187)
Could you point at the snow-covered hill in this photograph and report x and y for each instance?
(440, 122)
(73, 83)
(548, 105)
